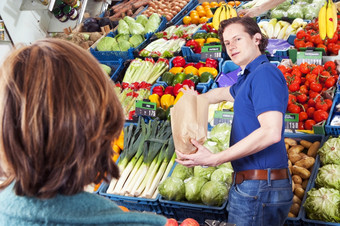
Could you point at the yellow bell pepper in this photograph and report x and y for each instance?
(200, 41)
(191, 69)
(120, 141)
(210, 40)
(167, 100)
(179, 95)
(176, 70)
(154, 98)
(211, 70)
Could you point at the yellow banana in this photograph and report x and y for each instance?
(233, 12)
(335, 16)
(223, 14)
(216, 18)
(228, 15)
(330, 17)
(322, 21)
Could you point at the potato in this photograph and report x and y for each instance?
(302, 172)
(291, 215)
(289, 163)
(290, 141)
(303, 155)
(296, 200)
(294, 157)
(313, 149)
(293, 186)
(306, 163)
(299, 192)
(294, 209)
(297, 186)
(296, 149)
(287, 147)
(304, 184)
(305, 143)
(297, 179)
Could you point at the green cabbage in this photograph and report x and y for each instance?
(204, 172)
(142, 19)
(182, 172)
(295, 11)
(284, 6)
(172, 188)
(277, 13)
(222, 175)
(193, 187)
(105, 44)
(136, 29)
(214, 193)
(153, 23)
(120, 37)
(129, 20)
(212, 146)
(106, 68)
(330, 151)
(226, 165)
(115, 47)
(136, 40)
(221, 134)
(329, 176)
(124, 45)
(123, 27)
(323, 204)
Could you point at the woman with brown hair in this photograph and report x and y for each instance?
(58, 116)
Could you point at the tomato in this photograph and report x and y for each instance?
(282, 68)
(302, 98)
(309, 124)
(317, 70)
(189, 222)
(330, 47)
(311, 77)
(330, 82)
(303, 116)
(303, 89)
(320, 115)
(318, 40)
(322, 46)
(309, 44)
(297, 80)
(171, 222)
(324, 75)
(313, 94)
(291, 99)
(321, 105)
(310, 112)
(336, 49)
(301, 34)
(293, 108)
(316, 87)
(311, 102)
(301, 125)
(296, 72)
(304, 68)
(299, 44)
(294, 87)
(329, 65)
(334, 39)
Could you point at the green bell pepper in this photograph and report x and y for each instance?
(179, 78)
(205, 76)
(168, 77)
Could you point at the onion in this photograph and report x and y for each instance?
(152, 4)
(168, 18)
(177, 9)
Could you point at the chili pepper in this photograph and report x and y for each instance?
(125, 85)
(169, 90)
(178, 61)
(154, 98)
(189, 83)
(149, 59)
(189, 64)
(211, 70)
(200, 41)
(134, 85)
(191, 69)
(131, 114)
(118, 85)
(199, 65)
(209, 62)
(158, 90)
(163, 60)
(176, 70)
(167, 100)
(177, 87)
(179, 95)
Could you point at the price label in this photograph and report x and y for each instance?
(223, 117)
(211, 51)
(145, 108)
(291, 121)
(311, 57)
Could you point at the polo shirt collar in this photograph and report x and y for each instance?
(253, 65)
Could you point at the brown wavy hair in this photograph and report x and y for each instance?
(58, 116)
(250, 26)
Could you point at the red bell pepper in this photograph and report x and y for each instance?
(178, 61)
(131, 114)
(158, 90)
(199, 64)
(169, 90)
(195, 46)
(211, 63)
(189, 83)
(125, 85)
(177, 87)
(189, 64)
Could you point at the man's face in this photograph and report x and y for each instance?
(241, 48)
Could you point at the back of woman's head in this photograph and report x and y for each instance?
(58, 116)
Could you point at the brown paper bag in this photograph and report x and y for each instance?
(189, 120)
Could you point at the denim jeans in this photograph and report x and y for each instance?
(260, 202)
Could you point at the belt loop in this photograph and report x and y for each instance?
(268, 177)
(234, 178)
(289, 176)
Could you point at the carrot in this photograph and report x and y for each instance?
(139, 4)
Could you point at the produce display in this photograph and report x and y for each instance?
(224, 12)
(200, 15)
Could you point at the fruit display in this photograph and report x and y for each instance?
(224, 12)
(328, 20)
(200, 15)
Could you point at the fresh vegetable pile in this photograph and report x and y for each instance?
(308, 85)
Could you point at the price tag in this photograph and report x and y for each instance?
(211, 51)
(311, 57)
(223, 117)
(145, 108)
(291, 121)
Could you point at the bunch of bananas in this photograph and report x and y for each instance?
(224, 12)
(328, 20)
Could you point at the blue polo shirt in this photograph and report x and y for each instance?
(260, 88)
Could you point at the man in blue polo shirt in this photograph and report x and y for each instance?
(262, 192)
